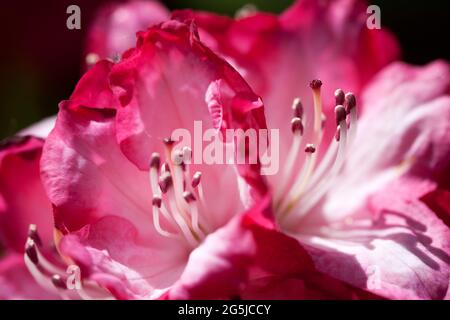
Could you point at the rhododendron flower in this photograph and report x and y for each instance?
(133, 219)
(335, 198)
(23, 202)
(358, 209)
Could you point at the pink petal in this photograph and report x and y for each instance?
(395, 247)
(112, 253)
(220, 269)
(439, 201)
(22, 197)
(16, 282)
(413, 105)
(115, 26)
(311, 286)
(93, 90)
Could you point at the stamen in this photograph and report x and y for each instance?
(310, 148)
(34, 253)
(190, 199)
(339, 97)
(350, 102)
(297, 107)
(337, 135)
(340, 113)
(316, 85)
(196, 179)
(314, 195)
(153, 173)
(300, 182)
(168, 142)
(198, 191)
(188, 196)
(41, 278)
(155, 160)
(33, 234)
(31, 251)
(179, 219)
(178, 157)
(311, 184)
(165, 167)
(165, 182)
(297, 126)
(171, 187)
(156, 202)
(58, 282)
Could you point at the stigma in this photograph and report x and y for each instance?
(178, 198)
(302, 189)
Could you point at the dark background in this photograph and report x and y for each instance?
(40, 59)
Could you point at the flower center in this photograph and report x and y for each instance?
(178, 198)
(301, 190)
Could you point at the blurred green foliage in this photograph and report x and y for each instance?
(231, 6)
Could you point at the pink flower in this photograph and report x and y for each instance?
(23, 202)
(357, 209)
(135, 221)
(336, 198)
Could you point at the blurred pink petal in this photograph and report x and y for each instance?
(115, 25)
(17, 283)
(23, 199)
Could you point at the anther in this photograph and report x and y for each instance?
(337, 135)
(187, 154)
(188, 196)
(165, 167)
(168, 142)
(31, 252)
(58, 282)
(196, 179)
(155, 160)
(92, 58)
(156, 201)
(165, 182)
(297, 107)
(350, 101)
(315, 84)
(178, 157)
(33, 234)
(340, 113)
(310, 148)
(297, 125)
(339, 95)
